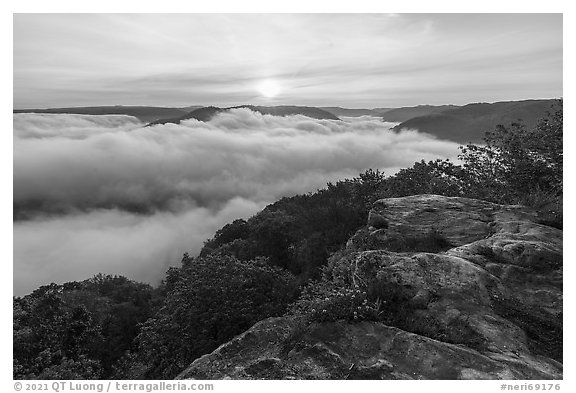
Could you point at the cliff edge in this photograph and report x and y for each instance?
(469, 290)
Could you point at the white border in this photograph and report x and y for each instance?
(243, 6)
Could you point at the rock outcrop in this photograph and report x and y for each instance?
(470, 290)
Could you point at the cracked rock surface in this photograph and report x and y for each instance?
(474, 291)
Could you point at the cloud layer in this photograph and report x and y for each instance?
(141, 247)
(105, 194)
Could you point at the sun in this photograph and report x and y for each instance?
(269, 88)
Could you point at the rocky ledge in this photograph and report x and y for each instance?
(472, 290)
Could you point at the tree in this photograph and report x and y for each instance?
(211, 299)
(77, 330)
(440, 177)
(237, 230)
(274, 233)
(516, 161)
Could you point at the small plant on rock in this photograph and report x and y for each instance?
(324, 301)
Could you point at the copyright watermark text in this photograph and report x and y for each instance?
(114, 386)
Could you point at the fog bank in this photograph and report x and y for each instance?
(106, 194)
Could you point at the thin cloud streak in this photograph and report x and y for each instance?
(218, 59)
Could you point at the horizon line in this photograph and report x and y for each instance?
(277, 105)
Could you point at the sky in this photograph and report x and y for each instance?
(349, 60)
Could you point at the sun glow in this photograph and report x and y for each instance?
(269, 88)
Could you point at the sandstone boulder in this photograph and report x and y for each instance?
(469, 290)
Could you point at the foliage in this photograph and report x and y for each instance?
(274, 232)
(337, 295)
(77, 330)
(237, 230)
(65, 368)
(326, 301)
(298, 233)
(548, 205)
(516, 161)
(440, 177)
(210, 300)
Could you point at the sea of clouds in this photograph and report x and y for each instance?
(106, 194)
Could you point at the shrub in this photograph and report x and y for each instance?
(548, 205)
(325, 301)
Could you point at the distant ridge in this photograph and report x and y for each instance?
(469, 123)
(339, 111)
(406, 113)
(461, 124)
(206, 113)
(395, 115)
(143, 113)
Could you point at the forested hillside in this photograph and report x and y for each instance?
(468, 123)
